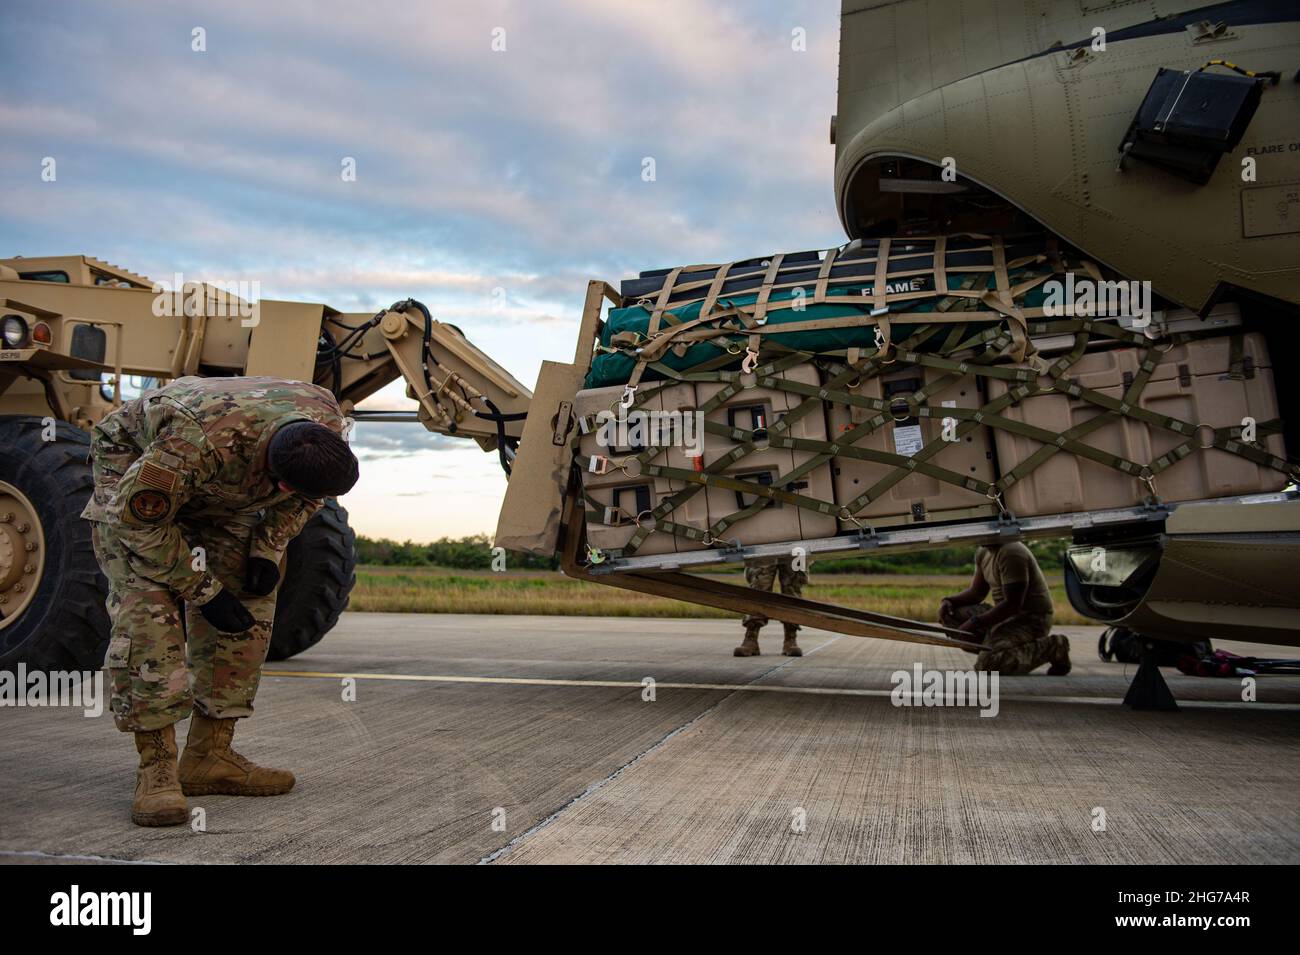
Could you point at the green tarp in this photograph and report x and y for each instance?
(615, 367)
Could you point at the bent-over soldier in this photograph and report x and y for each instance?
(199, 488)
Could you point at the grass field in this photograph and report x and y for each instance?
(441, 590)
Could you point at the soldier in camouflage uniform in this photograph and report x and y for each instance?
(199, 488)
(762, 574)
(1015, 629)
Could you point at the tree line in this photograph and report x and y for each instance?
(475, 553)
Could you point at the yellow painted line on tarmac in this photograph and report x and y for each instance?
(747, 687)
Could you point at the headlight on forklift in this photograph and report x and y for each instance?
(14, 330)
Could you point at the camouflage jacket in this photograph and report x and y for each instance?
(194, 452)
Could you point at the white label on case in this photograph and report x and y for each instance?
(907, 439)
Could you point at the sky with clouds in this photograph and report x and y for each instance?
(476, 169)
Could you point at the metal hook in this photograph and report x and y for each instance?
(994, 494)
(1149, 480)
(751, 359)
(846, 515)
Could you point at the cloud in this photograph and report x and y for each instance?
(476, 170)
(378, 440)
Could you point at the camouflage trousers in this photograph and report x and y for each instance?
(1017, 645)
(763, 577)
(163, 657)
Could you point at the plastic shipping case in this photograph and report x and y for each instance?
(916, 498)
(761, 408)
(619, 499)
(1194, 382)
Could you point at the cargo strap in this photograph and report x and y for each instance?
(970, 347)
(867, 280)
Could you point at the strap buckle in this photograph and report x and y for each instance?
(1008, 525)
(599, 464)
(884, 346)
(1149, 480)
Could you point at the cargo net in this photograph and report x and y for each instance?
(958, 306)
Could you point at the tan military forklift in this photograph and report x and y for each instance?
(926, 383)
(77, 331)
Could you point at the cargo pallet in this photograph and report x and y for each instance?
(1150, 516)
(662, 575)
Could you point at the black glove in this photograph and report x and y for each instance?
(226, 613)
(261, 577)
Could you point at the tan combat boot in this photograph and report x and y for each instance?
(158, 798)
(749, 646)
(210, 767)
(791, 646)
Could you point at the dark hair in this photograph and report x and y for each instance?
(312, 459)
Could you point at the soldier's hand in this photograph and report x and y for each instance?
(227, 614)
(261, 577)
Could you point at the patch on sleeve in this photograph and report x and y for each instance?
(155, 476)
(149, 506)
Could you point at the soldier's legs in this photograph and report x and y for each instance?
(146, 647)
(226, 668)
(146, 667)
(792, 583)
(761, 577)
(1022, 644)
(758, 577)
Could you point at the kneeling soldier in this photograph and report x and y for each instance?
(1016, 630)
(199, 488)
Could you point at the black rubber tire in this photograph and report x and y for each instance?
(320, 572)
(66, 626)
(1122, 645)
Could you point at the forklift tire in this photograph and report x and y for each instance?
(320, 571)
(61, 622)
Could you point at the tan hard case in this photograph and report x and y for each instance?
(917, 497)
(757, 407)
(1192, 382)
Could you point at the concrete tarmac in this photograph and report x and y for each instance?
(531, 739)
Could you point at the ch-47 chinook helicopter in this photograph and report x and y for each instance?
(934, 381)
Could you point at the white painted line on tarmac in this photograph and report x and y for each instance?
(750, 688)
